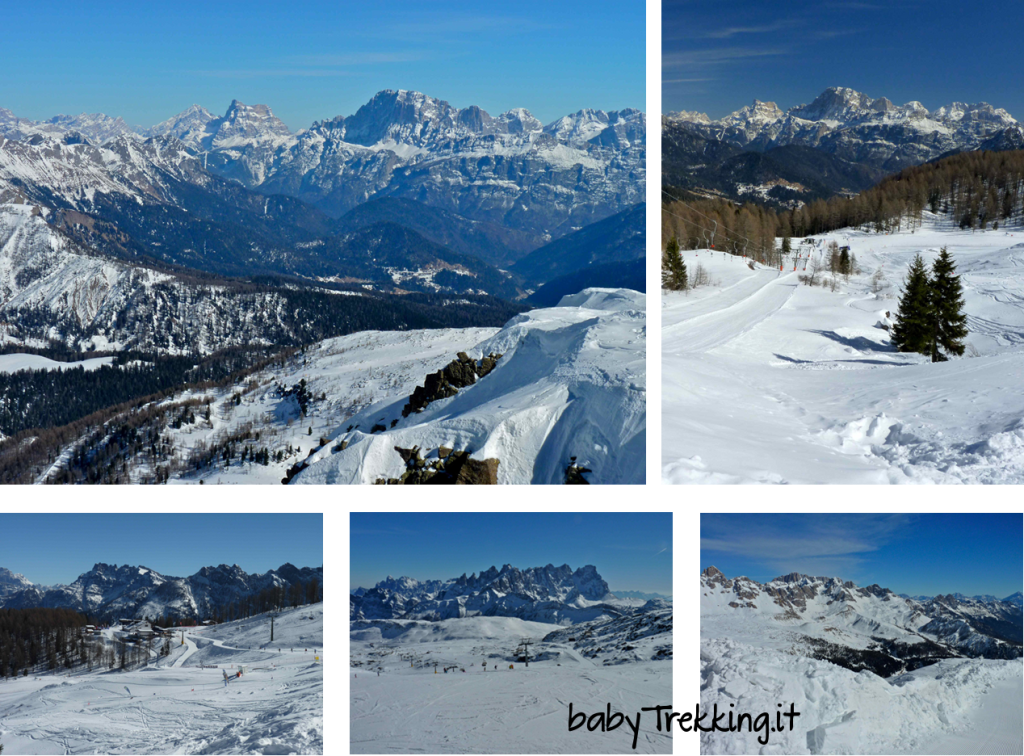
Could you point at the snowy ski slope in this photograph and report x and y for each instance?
(767, 380)
(174, 705)
(952, 705)
(408, 707)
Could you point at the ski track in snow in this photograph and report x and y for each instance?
(767, 380)
(277, 707)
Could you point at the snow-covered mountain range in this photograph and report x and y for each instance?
(12, 582)
(542, 594)
(55, 290)
(861, 129)
(111, 591)
(859, 627)
(509, 169)
(642, 595)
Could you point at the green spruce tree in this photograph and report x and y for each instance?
(913, 329)
(949, 322)
(673, 269)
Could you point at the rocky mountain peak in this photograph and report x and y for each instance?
(8, 578)
(243, 121)
(581, 126)
(189, 125)
(712, 572)
(766, 111)
(410, 117)
(519, 121)
(98, 127)
(839, 104)
(688, 115)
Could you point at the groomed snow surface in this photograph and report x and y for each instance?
(957, 706)
(179, 706)
(766, 380)
(408, 708)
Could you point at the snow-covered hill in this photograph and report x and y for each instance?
(766, 379)
(180, 703)
(867, 671)
(569, 387)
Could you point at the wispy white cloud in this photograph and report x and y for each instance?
(833, 33)
(830, 545)
(702, 59)
(732, 31)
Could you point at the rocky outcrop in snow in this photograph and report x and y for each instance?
(571, 382)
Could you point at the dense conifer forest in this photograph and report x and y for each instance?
(47, 398)
(106, 448)
(973, 189)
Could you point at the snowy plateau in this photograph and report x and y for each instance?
(766, 380)
(490, 662)
(867, 670)
(180, 703)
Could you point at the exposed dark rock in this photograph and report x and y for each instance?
(474, 472)
(446, 382)
(574, 474)
(377, 428)
(451, 468)
(408, 454)
(295, 470)
(487, 364)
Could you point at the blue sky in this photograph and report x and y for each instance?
(719, 56)
(632, 551)
(316, 59)
(973, 554)
(57, 548)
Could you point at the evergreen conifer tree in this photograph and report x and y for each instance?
(949, 319)
(913, 329)
(673, 269)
